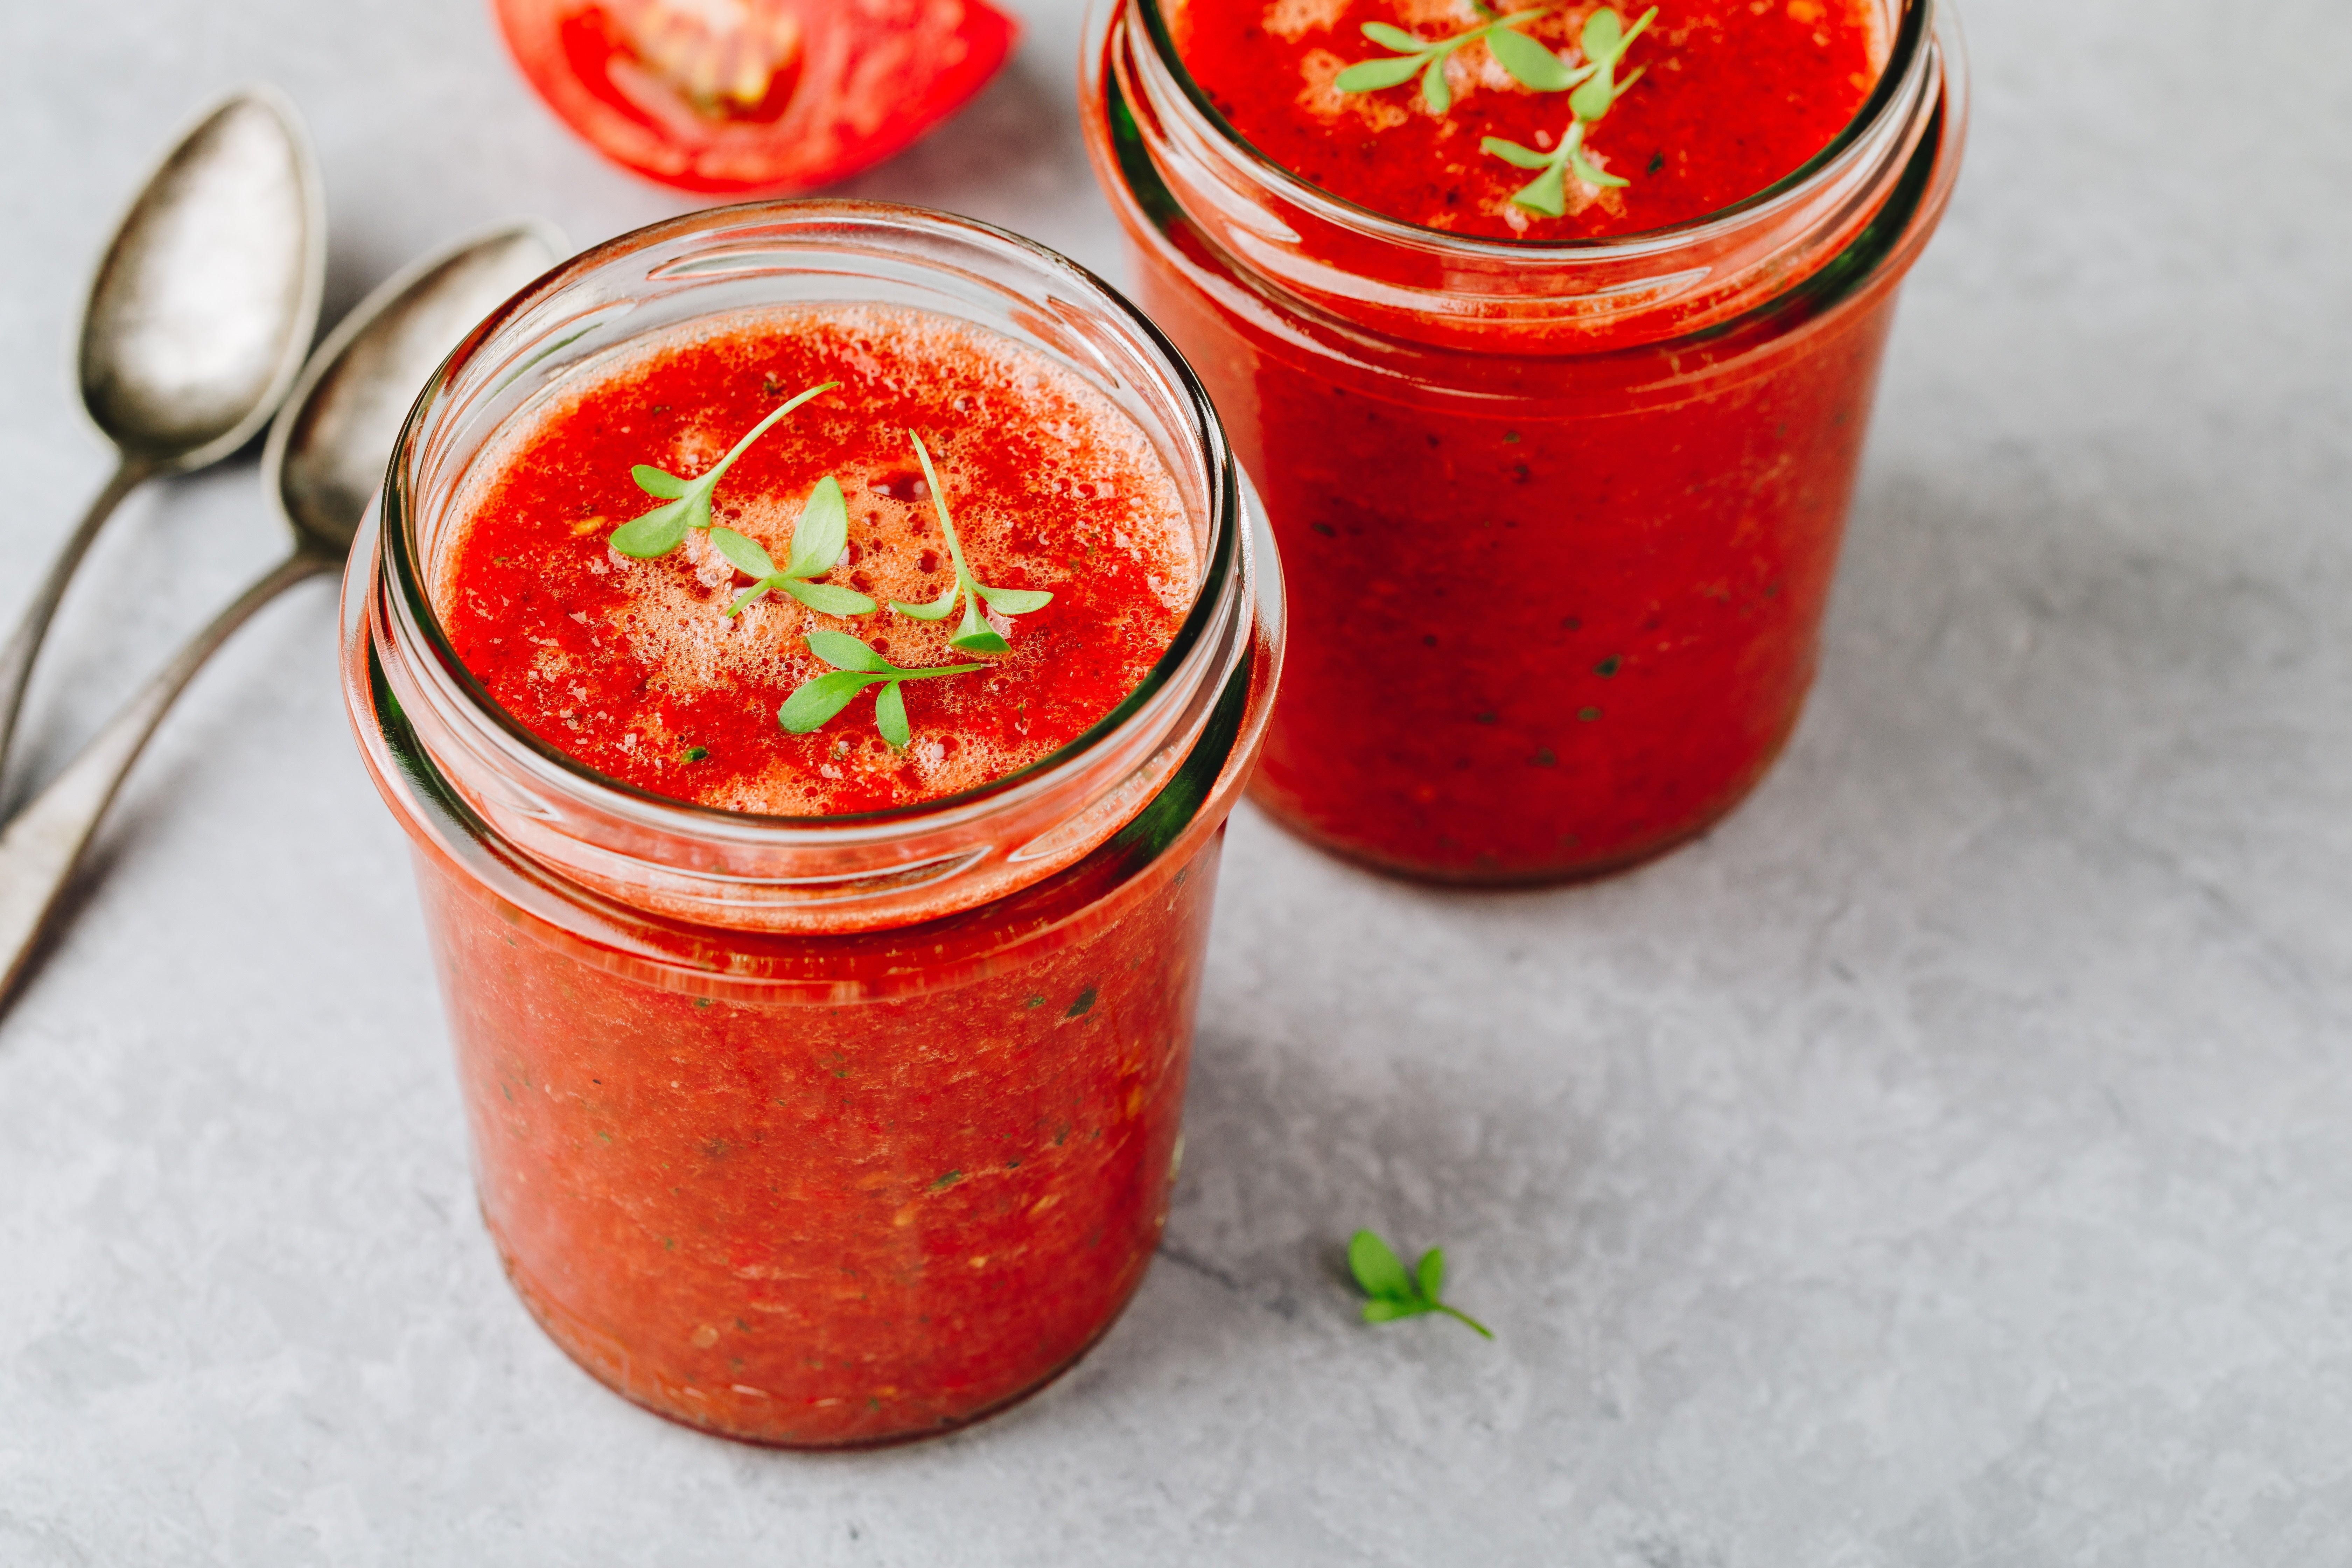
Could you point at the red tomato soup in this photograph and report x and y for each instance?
(824, 1089)
(1739, 95)
(1558, 478)
(634, 668)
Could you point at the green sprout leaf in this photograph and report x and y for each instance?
(1592, 101)
(976, 635)
(817, 542)
(656, 482)
(1528, 61)
(891, 716)
(823, 531)
(855, 667)
(1605, 35)
(1435, 91)
(1622, 87)
(1014, 601)
(1590, 175)
(686, 502)
(1371, 76)
(842, 651)
(1548, 195)
(938, 609)
(742, 552)
(828, 600)
(1394, 1293)
(655, 533)
(1376, 1268)
(814, 702)
(1393, 38)
(973, 633)
(1512, 152)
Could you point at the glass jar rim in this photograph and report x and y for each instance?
(1914, 34)
(1220, 589)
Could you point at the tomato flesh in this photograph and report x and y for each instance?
(734, 96)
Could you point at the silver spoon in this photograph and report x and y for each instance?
(197, 322)
(325, 456)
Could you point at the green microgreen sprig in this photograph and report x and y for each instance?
(1398, 1294)
(974, 634)
(686, 502)
(1530, 63)
(818, 539)
(855, 667)
(1548, 193)
(1604, 41)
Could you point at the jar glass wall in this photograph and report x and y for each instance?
(1559, 520)
(816, 1131)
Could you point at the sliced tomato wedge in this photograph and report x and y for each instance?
(754, 95)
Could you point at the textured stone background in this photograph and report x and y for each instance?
(1943, 1163)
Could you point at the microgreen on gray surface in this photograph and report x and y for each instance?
(855, 667)
(1529, 62)
(686, 503)
(818, 540)
(973, 633)
(1604, 41)
(1396, 1293)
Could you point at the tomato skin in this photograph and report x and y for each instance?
(867, 77)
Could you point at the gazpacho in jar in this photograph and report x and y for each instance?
(815, 693)
(1549, 334)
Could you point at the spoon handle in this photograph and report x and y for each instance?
(17, 662)
(43, 843)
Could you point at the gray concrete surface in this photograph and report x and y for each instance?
(1945, 1163)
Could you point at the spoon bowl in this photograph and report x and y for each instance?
(326, 454)
(203, 308)
(196, 324)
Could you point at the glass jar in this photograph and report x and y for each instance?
(1559, 519)
(833, 1130)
